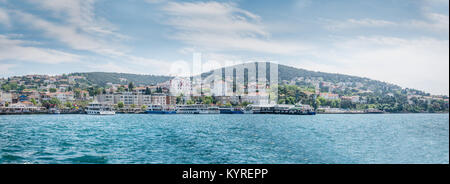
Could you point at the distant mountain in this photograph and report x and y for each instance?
(300, 77)
(102, 78)
(286, 74)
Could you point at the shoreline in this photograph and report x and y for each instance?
(44, 113)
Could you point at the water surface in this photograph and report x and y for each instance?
(131, 138)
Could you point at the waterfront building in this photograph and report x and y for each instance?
(64, 96)
(353, 99)
(23, 98)
(329, 96)
(179, 85)
(61, 96)
(255, 99)
(128, 98)
(21, 108)
(106, 98)
(5, 98)
(138, 99)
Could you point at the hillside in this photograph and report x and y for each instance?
(287, 75)
(302, 77)
(295, 86)
(102, 78)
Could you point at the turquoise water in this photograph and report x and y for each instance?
(132, 138)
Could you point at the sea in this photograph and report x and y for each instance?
(225, 139)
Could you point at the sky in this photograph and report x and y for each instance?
(404, 42)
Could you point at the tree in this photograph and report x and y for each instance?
(316, 105)
(180, 99)
(120, 105)
(189, 102)
(33, 101)
(6, 104)
(244, 104)
(53, 90)
(207, 100)
(51, 103)
(120, 89)
(133, 106)
(148, 91)
(68, 105)
(130, 86)
(143, 107)
(55, 101)
(77, 93)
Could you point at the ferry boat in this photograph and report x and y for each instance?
(99, 109)
(197, 109)
(210, 110)
(54, 111)
(230, 110)
(281, 109)
(159, 109)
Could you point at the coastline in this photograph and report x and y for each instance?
(46, 113)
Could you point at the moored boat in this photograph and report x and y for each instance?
(231, 110)
(197, 109)
(159, 109)
(97, 108)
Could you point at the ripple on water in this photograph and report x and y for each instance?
(130, 138)
(88, 159)
(9, 158)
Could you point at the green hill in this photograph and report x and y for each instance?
(102, 78)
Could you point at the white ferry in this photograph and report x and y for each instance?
(197, 109)
(99, 109)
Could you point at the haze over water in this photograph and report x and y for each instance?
(129, 138)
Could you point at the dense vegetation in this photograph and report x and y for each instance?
(295, 86)
(398, 102)
(102, 78)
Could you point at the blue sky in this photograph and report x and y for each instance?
(405, 42)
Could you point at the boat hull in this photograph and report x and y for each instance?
(101, 112)
(161, 112)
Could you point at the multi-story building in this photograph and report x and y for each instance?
(134, 98)
(329, 96)
(179, 86)
(128, 98)
(159, 99)
(61, 96)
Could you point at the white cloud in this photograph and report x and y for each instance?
(11, 49)
(303, 3)
(215, 26)
(432, 21)
(355, 23)
(416, 63)
(4, 17)
(80, 14)
(155, 1)
(68, 35)
(436, 22)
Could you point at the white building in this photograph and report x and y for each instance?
(5, 97)
(180, 85)
(130, 98)
(329, 96)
